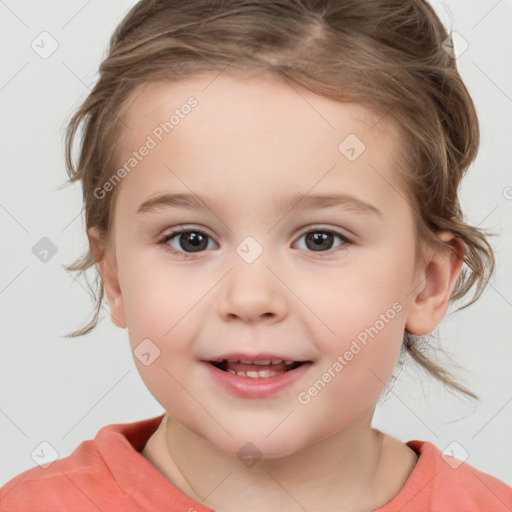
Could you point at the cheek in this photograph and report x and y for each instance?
(363, 309)
(164, 304)
(161, 308)
(366, 346)
(356, 364)
(372, 290)
(157, 295)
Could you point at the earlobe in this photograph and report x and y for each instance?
(117, 311)
(108, 270)
(437, 280)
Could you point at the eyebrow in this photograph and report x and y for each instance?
(291, 203)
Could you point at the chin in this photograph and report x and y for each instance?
(255, 444)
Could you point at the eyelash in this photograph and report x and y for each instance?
(178, 231)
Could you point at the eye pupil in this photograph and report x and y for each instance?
(319, 239)
(194, 239)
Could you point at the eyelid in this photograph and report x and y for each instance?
(184, 228)
(324, 227)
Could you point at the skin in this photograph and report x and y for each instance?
(250, 142)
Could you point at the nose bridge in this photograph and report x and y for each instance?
(251, 289)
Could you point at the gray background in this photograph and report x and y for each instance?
(63, 391)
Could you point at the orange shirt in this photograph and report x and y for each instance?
(109, 474)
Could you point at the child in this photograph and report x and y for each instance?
(258, 132)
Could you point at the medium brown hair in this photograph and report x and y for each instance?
(385, 54)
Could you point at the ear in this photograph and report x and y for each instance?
(436, 282)
(107, 267)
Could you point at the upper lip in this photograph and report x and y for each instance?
(239, 356)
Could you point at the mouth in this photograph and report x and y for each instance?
(256, 376)
(257, 368)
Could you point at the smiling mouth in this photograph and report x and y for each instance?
(257, 368)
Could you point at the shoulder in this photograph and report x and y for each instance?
(444, 483)
(88, 479)
(55, 486)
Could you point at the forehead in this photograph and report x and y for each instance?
(264, 94)
(255, 130)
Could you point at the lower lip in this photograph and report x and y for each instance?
(258, 387)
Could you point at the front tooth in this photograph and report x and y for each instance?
(262, 361)
(242, 374)
(245, 361)
(277, 361)
(269, 373)
(230, 371)
(262, 373)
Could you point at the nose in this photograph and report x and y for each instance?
(252, 293)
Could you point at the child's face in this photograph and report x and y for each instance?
(245, 148)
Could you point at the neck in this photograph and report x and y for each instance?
(346, 471)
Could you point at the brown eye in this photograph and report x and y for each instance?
(192, 241)
(318, 241)
(322, 240)
(186, 241)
